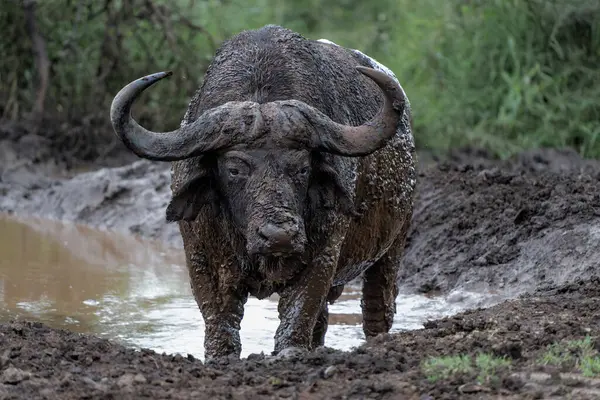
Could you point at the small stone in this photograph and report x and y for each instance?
(329, 371)
(139, 378)
(76, 370)
(291, 353)
(95, 385)
(256, 356)
(539, 377)
(13, 375)
(5, 358)
(472, 388)
(125, 380)
(46, 393)
(18, 329)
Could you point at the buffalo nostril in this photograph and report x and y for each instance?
(277, 235)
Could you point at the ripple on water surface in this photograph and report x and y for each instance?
(137, 291)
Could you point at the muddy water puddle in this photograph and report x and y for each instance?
(135, 291)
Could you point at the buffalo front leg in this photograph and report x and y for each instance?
(222, 316)
(301, 305)
(222, 306)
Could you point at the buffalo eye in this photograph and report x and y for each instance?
(302, 171)
(235, 168)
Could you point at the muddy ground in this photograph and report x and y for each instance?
(528, 226)
(39, 362)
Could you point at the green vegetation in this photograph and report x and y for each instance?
(574, 354)
(503, 74)
(438, 368)
(488, 365)
(485, 366)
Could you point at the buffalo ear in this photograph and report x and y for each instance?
(191, 197)
(327, 191)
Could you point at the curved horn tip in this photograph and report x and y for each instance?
(152, 78)
(367, 71)
(387, 83)
(130, 91)
(376, 75)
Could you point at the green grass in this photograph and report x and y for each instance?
(438, 368)
(488, 365)
(503, 74)
(573, 354)
(484, 365)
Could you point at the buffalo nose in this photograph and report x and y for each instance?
(277, 235)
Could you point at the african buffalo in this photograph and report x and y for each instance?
(293, 173)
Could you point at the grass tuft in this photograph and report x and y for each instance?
(484, 365)
(574, 354)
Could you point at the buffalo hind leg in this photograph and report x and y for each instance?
(323, 319)
(380, 289)
(318, 338)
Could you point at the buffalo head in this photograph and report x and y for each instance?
(265, 164)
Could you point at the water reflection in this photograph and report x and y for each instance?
(137, 291)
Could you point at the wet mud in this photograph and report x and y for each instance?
(38, 362)
(514, 225)
(120, 193)
(528, 226)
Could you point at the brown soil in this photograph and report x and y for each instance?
(39, 362)
(526, 226)
(483, 224)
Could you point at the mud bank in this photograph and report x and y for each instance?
(129, 196)
(39, 362)
(516, 225)
(479, 224)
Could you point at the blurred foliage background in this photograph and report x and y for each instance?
(500, 74)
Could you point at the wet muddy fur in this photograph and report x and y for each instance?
(285, 188)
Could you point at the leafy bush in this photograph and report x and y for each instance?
(94, 48)
(503, 74)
